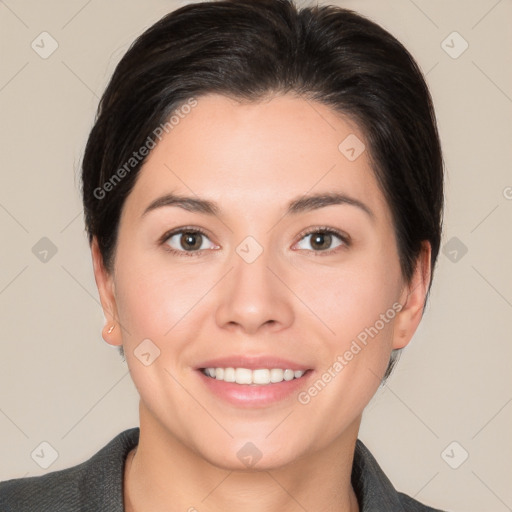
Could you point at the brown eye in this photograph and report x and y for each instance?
(187, 240)
(322, 240)
(191, 241)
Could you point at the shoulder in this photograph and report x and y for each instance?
(374, 490)
(411, 505)
(95, 484)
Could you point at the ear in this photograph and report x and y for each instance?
(413, 299)
(106, 289)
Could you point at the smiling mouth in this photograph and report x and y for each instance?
(260, 376)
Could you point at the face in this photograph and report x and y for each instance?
(261, 277)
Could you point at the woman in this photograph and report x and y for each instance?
(263, 194)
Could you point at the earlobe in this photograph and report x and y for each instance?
(413, 300)
(105, 285)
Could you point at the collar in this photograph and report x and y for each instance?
(374, 491)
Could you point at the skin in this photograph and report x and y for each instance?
(292, 302)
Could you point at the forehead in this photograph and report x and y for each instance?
(262, 153)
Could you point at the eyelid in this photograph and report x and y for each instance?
(182, 229)
(326, 229)
(179, 230)
(344, 237)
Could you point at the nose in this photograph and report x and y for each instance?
(254, 296)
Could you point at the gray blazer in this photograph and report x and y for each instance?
(96, 485)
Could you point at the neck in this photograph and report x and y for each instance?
(163, 474)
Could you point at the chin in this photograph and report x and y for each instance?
(244, 454)
(251, 460)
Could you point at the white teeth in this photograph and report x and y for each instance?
(288, 375)
(229, 375)
(243, 376)
(260, 376)
(276, 375)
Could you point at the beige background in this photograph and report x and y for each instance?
(60, 383)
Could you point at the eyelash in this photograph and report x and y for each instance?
(322, 229)
(329, 231)
(173, 232)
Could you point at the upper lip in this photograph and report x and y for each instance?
(253, 363)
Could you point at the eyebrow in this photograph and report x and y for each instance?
(299, 205)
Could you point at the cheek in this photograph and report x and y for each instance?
(153, 296)
(359, 305)
(353, 360)
(353, 298)
(154, 306)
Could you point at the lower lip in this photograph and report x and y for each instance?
(253, 395)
